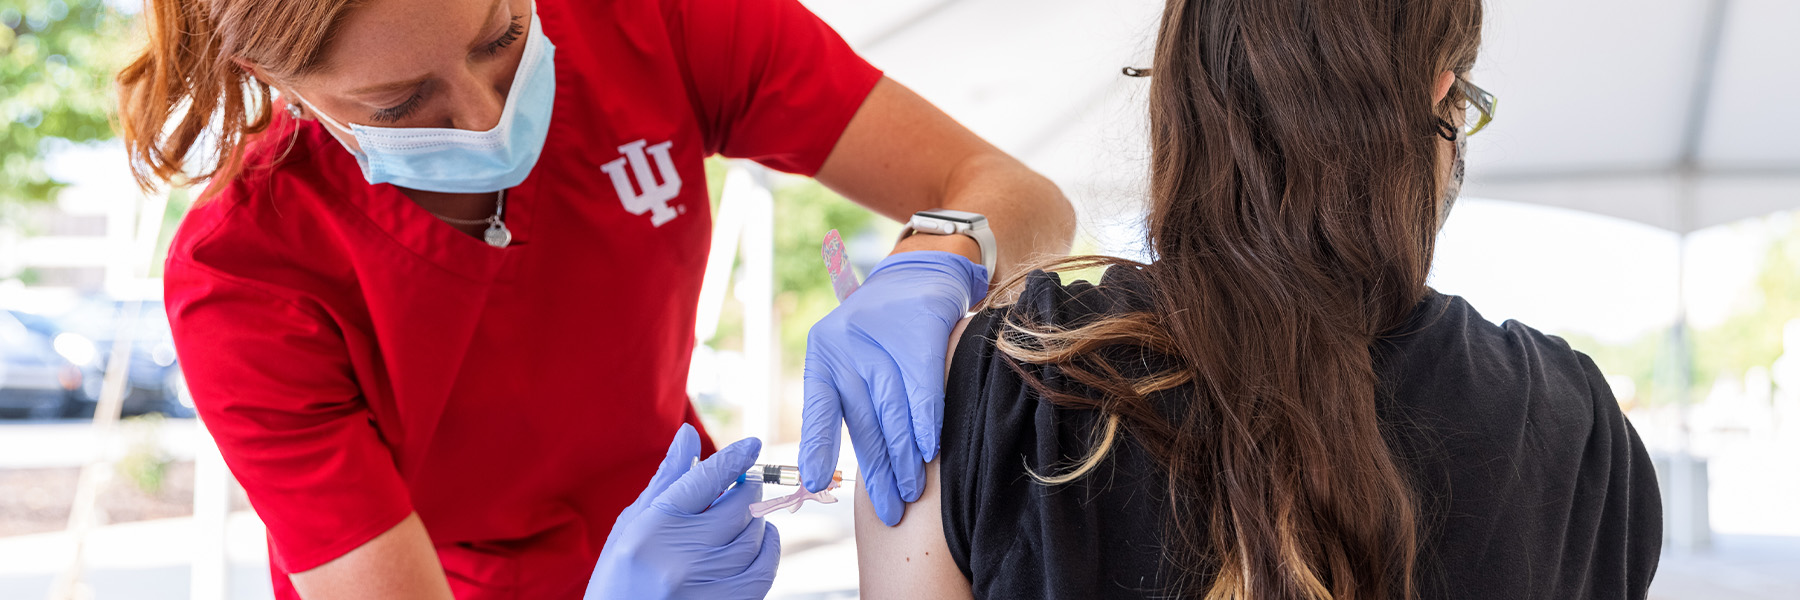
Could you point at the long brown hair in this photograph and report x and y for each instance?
(184, 92)
(1293, 215)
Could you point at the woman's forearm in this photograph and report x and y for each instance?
(1029, 216)
(399, 564)
(901, 155)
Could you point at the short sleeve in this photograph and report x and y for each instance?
(273, 383)
(1617, 509)
(973, 366)
(992, 430)
(773, 83)
(1011, 536)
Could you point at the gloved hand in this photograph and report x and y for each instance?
(670, 544)
(876, 364)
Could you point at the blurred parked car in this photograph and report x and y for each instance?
(155, 381)
(85, 335)
(35, 380)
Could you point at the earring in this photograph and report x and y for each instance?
(293, 111)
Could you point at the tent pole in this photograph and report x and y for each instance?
(1687, 524)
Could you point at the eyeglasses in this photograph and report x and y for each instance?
(1480, 106)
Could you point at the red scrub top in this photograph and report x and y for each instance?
(358, 360)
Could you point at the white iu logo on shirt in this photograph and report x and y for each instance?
(655, 196)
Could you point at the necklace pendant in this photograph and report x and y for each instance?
(497, 235)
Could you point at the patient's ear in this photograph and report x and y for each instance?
(1442, 87)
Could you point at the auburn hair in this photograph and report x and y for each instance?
(186, 105)
(1294, 199)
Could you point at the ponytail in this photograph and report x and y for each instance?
(186, 92)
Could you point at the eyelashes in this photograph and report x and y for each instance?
(400, 111)
(514, 31)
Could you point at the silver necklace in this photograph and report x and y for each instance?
(497, 235)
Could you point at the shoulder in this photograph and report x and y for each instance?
(981, 375)
(1045, 298)
(271, 220)
(1504, 424)
(993, 410)
(1451, 360)
(1042, 301)
(1000, 429)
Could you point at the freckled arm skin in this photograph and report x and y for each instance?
(399, 564)
(909, 560)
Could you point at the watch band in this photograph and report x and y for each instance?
(943, 221)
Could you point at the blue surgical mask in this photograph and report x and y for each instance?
(460, 161)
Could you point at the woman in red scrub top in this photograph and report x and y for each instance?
(437, 301)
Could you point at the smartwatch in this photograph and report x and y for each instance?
(943, 221)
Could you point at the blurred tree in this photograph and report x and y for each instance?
(1636, 358)
(57, 60)
(804, 211)
(1751, 336)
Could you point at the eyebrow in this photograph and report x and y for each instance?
(414, 82)
(388, 87)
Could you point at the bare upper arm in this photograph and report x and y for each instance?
(398, 564)
(898, 152)
(909, 560)
(912, 559)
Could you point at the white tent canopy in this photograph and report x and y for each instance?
(1676, 113)
(1039, 78)
(1679, 114)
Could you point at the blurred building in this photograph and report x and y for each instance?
(85, 243)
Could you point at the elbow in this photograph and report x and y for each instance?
(1033, 198)
(1055, 214)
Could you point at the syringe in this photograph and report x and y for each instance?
(783, 475)
(780, 474)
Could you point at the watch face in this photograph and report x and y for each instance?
(953, 215)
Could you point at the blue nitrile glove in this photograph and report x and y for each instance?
(670, 544)
(876, 364)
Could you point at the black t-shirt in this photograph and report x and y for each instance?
(1532, 482)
